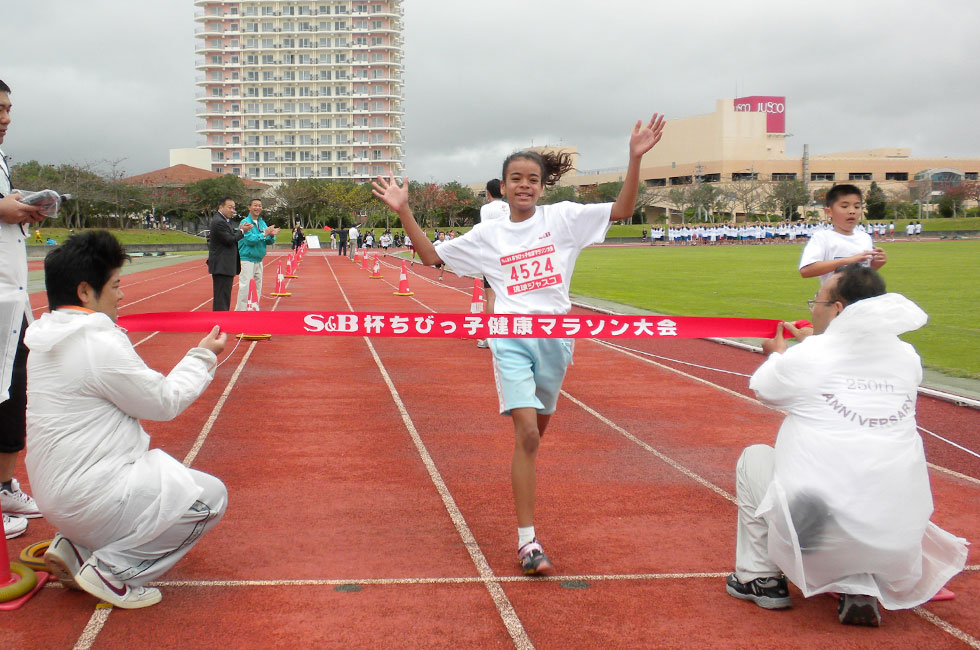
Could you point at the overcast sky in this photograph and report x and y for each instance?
(108, 80)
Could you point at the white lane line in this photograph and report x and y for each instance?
(947, 627)
(101, 613)
(949, 442)
(949, 472)
(504, 607)
(441, 581)
(938, 468)
(667, 459)
(93, 627)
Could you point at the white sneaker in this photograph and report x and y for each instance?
(17, 502)
(64, 559)
(13, 526)
(98, 583)
(482, 343)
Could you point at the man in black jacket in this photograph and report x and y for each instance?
(223, 261)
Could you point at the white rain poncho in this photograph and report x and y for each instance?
(88, 458)
(850, 470)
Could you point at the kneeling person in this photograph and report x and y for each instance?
(842, 504)
(125, 513)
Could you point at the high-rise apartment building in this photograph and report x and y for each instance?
(301, 88)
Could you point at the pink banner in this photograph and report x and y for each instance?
(331, 323)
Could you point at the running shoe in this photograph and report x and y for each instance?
(770, 592)
(99, 583)
(13, 526)
(482, 343)
(858, 610)
(533, 560)
(17, 502)
(64, 559)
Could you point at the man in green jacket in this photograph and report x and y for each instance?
(251, 248)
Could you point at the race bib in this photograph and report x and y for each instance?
(531, 270)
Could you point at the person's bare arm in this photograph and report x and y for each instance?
(396, 197)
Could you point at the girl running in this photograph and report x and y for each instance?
(529, 257)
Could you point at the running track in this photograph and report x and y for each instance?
(370, 500)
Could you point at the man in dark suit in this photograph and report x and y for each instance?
(342, 238)
(223, 260)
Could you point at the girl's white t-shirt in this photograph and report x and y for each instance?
(529, 263)
(827, 245)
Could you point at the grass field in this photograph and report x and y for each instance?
(762, 282)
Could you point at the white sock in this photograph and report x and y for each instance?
(525, 535)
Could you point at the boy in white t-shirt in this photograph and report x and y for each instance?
(529, 258)
(495, 208)
(844, 243)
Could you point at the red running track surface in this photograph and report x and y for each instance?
(370, 500)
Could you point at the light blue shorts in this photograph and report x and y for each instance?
(529, 372)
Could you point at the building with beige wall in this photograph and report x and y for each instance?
(739, 144)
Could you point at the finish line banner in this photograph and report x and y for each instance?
(334, 323)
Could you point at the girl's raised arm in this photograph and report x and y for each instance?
(396, 197)
(642, 140)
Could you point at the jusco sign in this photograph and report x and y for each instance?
(774, 107)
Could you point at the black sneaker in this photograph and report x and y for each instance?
(858, 610)
(770, 593)
(533, 560)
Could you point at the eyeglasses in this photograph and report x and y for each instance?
(811, 303)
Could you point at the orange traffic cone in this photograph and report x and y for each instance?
(476, 302)
(253, 305)
(290, 267)
(18, 581)
(376, 269)
(364, 261)
(403, 288)
(280, 283)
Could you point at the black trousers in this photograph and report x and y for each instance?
(13, 411)
(342, 250)
(222, 292)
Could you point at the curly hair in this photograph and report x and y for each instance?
(553, 164)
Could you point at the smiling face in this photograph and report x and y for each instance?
(107, 300)
(227, 209)
(845, 213)
(522, 187)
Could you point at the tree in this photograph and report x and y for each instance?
(206, 193)
(292, 196)
(557, 193)
(702, 197)
(646, 197)
(426, 202)
(767, 200)
(679, 198)
(876, 203)
(789, 196)
(456, 199)
(344, 199)
(746, 194)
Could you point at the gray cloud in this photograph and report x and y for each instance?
(111, 79)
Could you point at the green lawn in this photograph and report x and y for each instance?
(762, 282)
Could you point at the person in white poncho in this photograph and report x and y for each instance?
(842, 504)
(125, 514)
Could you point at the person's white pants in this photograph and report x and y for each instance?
(250, 271)
(149, 561)
(753, 474)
